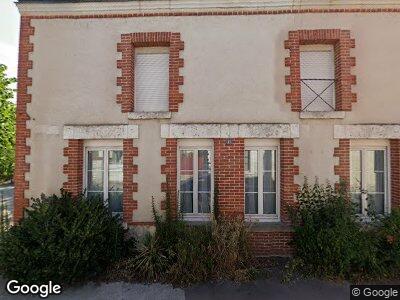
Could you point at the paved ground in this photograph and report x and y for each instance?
(261, 289)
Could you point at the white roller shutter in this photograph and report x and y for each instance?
(317, 72)
(151, 82)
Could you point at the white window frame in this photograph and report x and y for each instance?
(195, 216)
(260, 217)
(105, 169)
(387, 176)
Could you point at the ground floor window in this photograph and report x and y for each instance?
(104, 176)
(195, 182)
(369, 180)
(261, 183)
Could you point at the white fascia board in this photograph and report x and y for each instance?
(200, 131)
(191, 5)
(372, 131)
(98, 132)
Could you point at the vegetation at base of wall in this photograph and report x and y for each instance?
(64, 239)
(7, 126)
(331, 241)
(183, 254)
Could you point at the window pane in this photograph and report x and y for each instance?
(247, 161)
(115, 201)
(269, 160)
(356, 200)
(204, 202)
(269, 182)
(115, 180)
(186, 160)
(204, 181)
(204, 158)
(375, 176)
(251, 183)
(95, 195)
(95, 181)
(186, 202)
(115, 160)
(376, 203)
(269, 204)
(95, 160)
(375, 160)
(251, 203)
(186, 183)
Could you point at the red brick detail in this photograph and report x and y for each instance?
(229, 175)
(23, 133)
(343, 168)
(343, 63)
(148, 39)
(129, 186)
(226, 13)
(74, 168)
(169, 169)
(289, 170)
(395, 172)
(268, 243)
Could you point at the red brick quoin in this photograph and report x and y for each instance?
(126, 81)
(169, 169)
(129, 186)
(23, 133)
(74, 168)
(229, 176)
(342, 43)
(343, 168)
(395, 172)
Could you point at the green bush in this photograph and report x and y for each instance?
(183, 254)
(64, 239)
(388, 234)
(329, 240)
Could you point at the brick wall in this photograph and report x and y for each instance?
(342, 169)
(395, 172)
(267, 243)
(74, 167)
(343, 63)
(23, 133)
(229, 175)
(169, 169)
(148, 39)
(289, 170)
(129, 186)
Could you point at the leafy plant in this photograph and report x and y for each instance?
(329, 240)
(64, 239)
(7, 126)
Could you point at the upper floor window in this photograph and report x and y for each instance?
(368, 181)
(151, 85)
(261, 183)
(317, 76)
(104, 176)
(195, 182)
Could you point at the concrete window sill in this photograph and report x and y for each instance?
(322, 115)
(149, 115)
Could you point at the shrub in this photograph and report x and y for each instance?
(64, 239)
(388, 235)
(183, 254)
(329, 240)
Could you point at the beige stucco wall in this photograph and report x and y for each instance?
(234, 72)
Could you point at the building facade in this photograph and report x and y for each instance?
(209, 102)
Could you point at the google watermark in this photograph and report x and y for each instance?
(13, 287)
(360, 292)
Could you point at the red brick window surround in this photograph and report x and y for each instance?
(127, 45)
(395, 172)
(342, 43)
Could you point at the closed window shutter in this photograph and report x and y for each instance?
(317, 73)
(151, 82)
